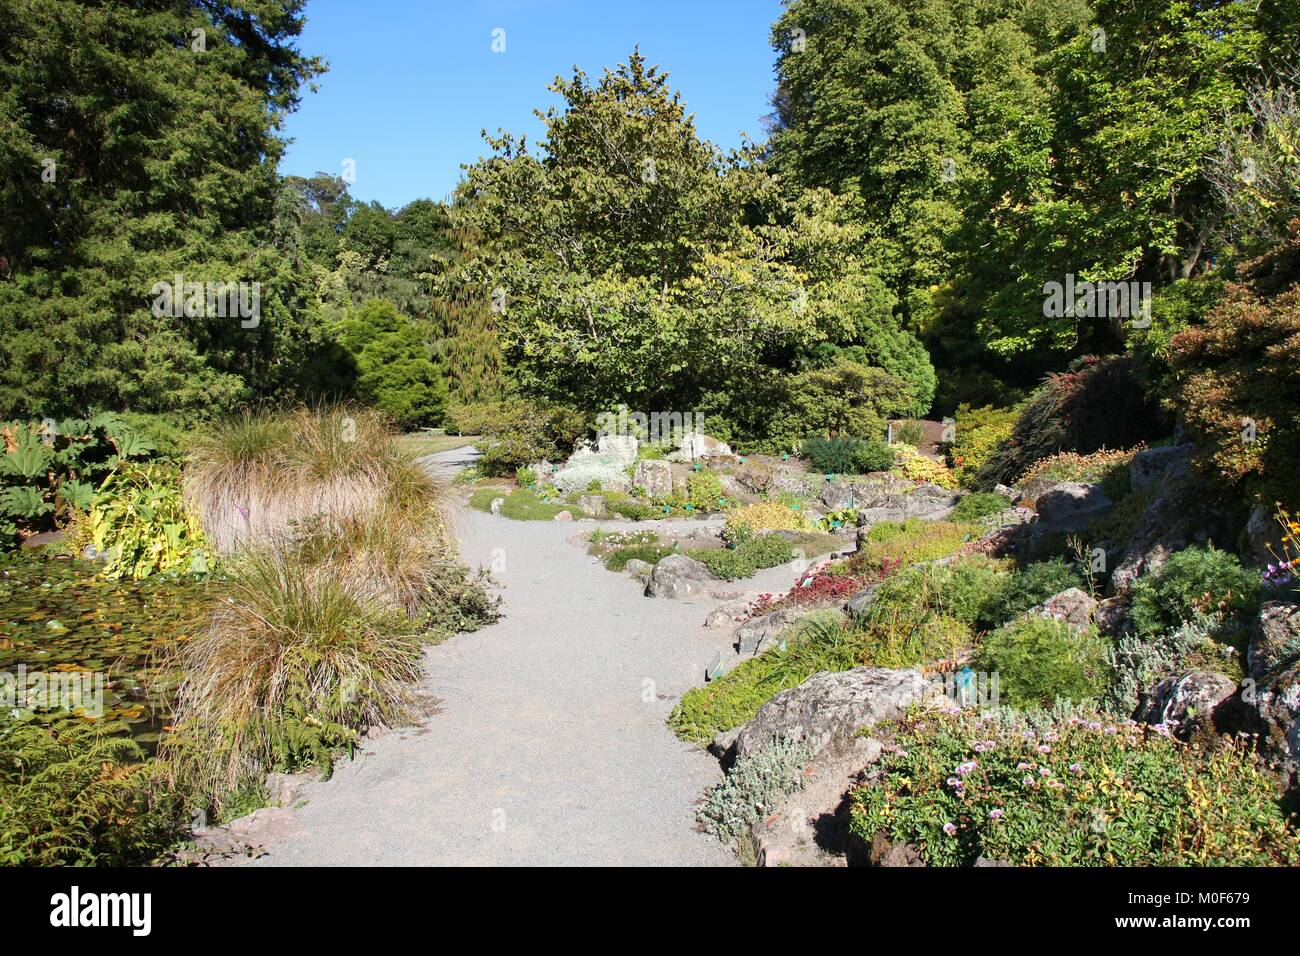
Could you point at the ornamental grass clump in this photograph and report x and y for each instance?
(292, 667)
(1071, 788)
(250, 477)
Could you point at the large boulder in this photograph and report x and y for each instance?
(1277, 705)
(1149, 466)
(857, 605)
(1072, 605)
(1275, 638)
(1070, 506)
(1189, 698)
(892, 499)
(1184, 511)
(678, 576)
(695, 445)
(1264, 535)
(638, 568)
(622, 447)
(757, 634)
(837, 496)
(655, 477)
(826, 711)
(593, 506)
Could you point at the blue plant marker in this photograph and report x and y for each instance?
(722, 502)
(667, 509)
(695, 466)
(714, 670)
(796, 506)
(689, 507)
(830, 477)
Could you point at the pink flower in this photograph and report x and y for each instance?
(995, 814)
(950, 829)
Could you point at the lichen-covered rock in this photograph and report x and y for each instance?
(678, 576)
(655, 477)
(826, 711)
(622, 447)
(1277, 706)
(858, 604)
(1070, 506)
(1264, 534)
(1188, 698)
(756, 634)
(1112, 616)
(1151, 464)
(1184, 511)
(1275, 638)
(837, 496)
(638, 568)
(1072, 605)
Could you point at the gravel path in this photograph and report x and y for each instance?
(549, 744)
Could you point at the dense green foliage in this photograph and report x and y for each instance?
(393, 371)
(49, 469)
(1076, 790)
(74, 795)
(1040, 660)
(1194, 582)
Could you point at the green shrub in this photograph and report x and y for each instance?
(525, 477)
(981, 504)
(1027, 587)
(1040, 659)
(872, 455)
(628, 507)
(961, 590)
(753, 788)
(831, 456)
(820, 642)
(78, 795)
(704, 490)
(976, 435)
(517, 432)
(393, 370)
(847, 456)
(49, 470)
(891, 544)
(1194, 581)
(909, 432)
(1096, 404)
(1077, 790)
(140, 522)
(752, 554)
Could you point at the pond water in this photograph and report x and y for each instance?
(64, 631)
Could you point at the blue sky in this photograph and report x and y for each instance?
(412, 82)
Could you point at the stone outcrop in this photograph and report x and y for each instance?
(678, 576)
(826, 711)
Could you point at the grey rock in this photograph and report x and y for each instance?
(1150, 465)
(623, 446)
(837, 497)
(1184, 511)
(1070, 506)
(1009, 493)
(495, 507)
(656, 477)
(1264, 534)
(1275, 638)
(1277, 707)
(757, 634)
(827, 710)
(638, 568)
(593, 506)
(858, 604)
(1112, 616)
(698, 445)
(1072, 605)
(563, 516)
(725, 614)
(678, 576)
(1188, 697)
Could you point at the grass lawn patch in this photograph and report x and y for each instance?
(522, 504)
